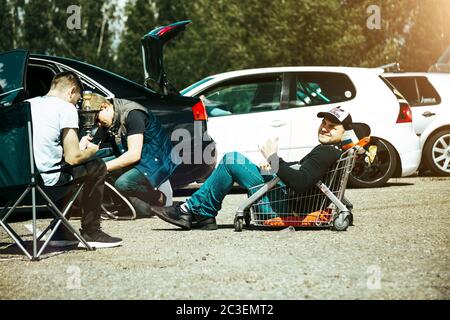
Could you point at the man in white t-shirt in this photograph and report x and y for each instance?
(55, 141)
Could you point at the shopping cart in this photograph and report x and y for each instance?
(274, 204)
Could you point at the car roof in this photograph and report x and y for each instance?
(119, 85)
(415, 74)
(244, 72)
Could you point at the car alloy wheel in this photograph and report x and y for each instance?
(437, 153)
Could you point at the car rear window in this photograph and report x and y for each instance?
(318, 88)
(418, 91)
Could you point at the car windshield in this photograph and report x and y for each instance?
(12, 65)
(195, 85)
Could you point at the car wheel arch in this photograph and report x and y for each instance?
(436, 130)
(424, 162)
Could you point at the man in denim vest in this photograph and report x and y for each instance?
(145, 161)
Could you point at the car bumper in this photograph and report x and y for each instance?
(407, 144)
(410, 162)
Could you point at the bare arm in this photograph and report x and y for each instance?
(71, 146)
(131, 156)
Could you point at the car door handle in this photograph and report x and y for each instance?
(428, 114)
(278, 123)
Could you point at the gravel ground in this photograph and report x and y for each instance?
(398, 249)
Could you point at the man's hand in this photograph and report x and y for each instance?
(84, 142)
(72, 147)
(265, 166)
(135, 144)
(269, 148)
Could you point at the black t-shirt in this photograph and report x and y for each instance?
(136, 122)
(313, 167)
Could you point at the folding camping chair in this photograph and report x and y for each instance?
(19, 179)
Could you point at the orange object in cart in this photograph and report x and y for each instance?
(309, 220)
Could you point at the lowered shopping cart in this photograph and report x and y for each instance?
(274, 204)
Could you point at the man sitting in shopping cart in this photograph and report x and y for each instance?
(200, 210)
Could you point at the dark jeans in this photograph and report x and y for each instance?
(93, 173)
(131, 183)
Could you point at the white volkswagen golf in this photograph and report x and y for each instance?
(429, 97)
(248, 106)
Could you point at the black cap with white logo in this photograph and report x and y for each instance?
(338, 115)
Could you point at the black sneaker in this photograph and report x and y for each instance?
(63, 238)
(203, 222)
(174, 215)
(99, 239)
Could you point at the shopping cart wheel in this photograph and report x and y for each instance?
(340, 224)
(238, 223)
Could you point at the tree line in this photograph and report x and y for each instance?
(227, 35)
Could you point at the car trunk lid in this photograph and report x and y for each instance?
(12, 76)
(152, 55)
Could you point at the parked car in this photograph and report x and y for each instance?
(245, 107)
(32, 75)
(428, 95)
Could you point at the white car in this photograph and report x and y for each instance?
(428, 95)
(246, 107)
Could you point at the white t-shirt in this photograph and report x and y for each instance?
(50, 115)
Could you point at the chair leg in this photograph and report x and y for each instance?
(33, 200)
(10, 231)
(11, 210)
(5, 209)
(16, 239)
(62, 218)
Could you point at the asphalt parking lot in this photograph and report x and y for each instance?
(398, 249)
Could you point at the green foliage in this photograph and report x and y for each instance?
(141, 18)
(41, 27)
(9, 24)
(232, 34)
(429, 35)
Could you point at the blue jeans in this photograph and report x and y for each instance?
(234, 167)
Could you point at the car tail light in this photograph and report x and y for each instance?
(199, 111)
(405, 114)
(165, 30)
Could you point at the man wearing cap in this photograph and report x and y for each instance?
(199, 211)
(145, 160)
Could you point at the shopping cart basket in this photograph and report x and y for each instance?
(274, 204)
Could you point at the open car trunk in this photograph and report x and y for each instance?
(152, 55)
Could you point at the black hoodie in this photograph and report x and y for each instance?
(313, 167)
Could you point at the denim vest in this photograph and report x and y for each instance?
(156, 162)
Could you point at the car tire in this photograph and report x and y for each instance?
(379, 172)
(436, 153)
